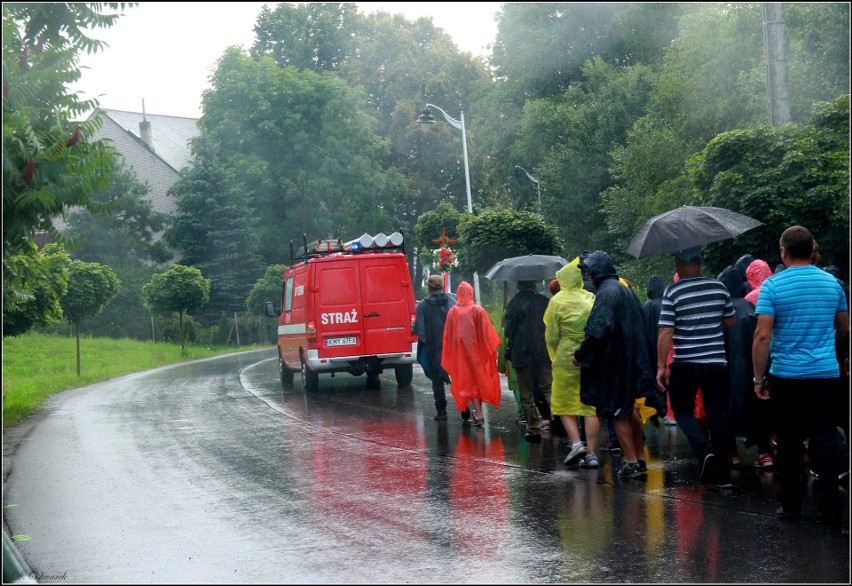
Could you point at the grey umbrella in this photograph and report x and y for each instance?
(531, 267)
(686, 227)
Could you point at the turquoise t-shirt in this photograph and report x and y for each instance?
(804, 301)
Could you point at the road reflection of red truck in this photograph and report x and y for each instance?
(347, 307)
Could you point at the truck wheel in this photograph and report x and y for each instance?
(373, 381)
(285, 374)
(310, 379)
(404, 374)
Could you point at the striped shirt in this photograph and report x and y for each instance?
(804, 301)
(695, 308)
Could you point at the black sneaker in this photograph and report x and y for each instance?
(629, 470)
(440, 417)
(465, 415)
(788, 514)
(615, 449)
(722, 484)
(533, 438)
(707, 468)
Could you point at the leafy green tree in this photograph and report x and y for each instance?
(90, 287)
(179, 289)
(782, 176)
(125, 316)
(713, 82)
(301, 149)
(46, 273)
(216, 229)
(124, 230)
(431, 225)
(378, 52)
(268, 288)
(497, 233)
(314, 36)
(572, 137)
(818, 39)
(49, 163)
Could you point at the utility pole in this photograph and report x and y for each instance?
(775, 47)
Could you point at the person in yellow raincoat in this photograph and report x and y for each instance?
(564, 321)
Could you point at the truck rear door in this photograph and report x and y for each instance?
(338, 312)
(387, 301)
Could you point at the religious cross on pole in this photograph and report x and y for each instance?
(445, 254)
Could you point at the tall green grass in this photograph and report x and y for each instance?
(36, 366)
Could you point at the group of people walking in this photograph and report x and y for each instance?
(751, 355)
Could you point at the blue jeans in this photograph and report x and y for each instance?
(713, 380)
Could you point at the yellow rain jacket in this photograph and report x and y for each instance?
(564, 321)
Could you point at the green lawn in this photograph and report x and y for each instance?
(36, 366)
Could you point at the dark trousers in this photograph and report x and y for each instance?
(802, 408)
(713, 380)
(440, 394)
(528, 378)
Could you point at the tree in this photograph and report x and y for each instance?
(123, 230)
(180, 289)
(216, 229)
(571, 138)
(47, 276)
(90, 287)
(49, 165)
(431, 225)
(268, 288)
(794, 174)
(713, 83)
(301, 149)
(497, 233)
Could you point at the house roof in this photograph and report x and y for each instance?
(170, 135)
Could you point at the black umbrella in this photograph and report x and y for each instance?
(686, 227)
(531, 267)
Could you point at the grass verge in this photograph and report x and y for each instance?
(36, 366)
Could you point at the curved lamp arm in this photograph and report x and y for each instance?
(452, 121)
(531, 178)
(534, 180)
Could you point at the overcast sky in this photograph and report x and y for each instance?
(164, 52)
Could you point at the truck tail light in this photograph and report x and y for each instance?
(311, 331)
(413, 319)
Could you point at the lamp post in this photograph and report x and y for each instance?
(426, 120)
(534, 180)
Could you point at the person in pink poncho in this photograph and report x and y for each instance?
(756, 273)
(469, 355)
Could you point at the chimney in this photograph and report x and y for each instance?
(145, 129)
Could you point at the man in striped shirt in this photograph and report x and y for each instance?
(692, 317)
(801, 313)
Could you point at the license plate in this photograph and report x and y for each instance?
(348, 341)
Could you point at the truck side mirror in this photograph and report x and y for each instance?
(270, 309)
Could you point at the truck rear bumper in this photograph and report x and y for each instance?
(344, 363)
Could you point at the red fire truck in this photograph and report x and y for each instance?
(347, 307)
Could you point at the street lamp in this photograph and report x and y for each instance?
(534, 180)
(426, 120)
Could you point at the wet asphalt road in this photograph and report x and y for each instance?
(209, 472)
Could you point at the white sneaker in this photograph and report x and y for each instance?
(576, 453)
(589, 461)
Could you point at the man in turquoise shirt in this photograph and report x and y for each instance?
(801, 311)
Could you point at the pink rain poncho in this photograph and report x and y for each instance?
(756, 273)
(470, 352)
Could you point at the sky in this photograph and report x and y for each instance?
(164, 52)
